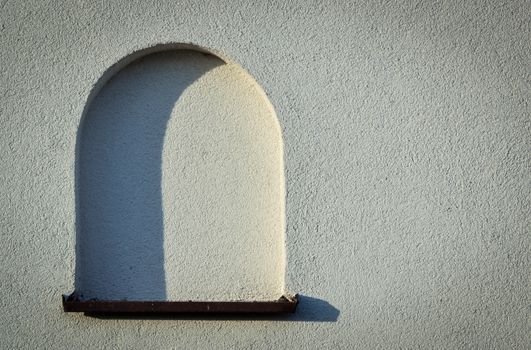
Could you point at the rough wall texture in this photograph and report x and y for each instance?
(407, 151)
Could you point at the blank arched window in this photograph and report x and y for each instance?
(179, 189)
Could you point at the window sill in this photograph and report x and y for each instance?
(286, 304)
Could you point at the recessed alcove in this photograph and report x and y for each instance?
(179, 190)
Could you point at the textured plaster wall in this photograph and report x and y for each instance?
(406, 130)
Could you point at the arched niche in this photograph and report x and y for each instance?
(179, 185)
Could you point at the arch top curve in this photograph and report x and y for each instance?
(137, 54)
(142, 52)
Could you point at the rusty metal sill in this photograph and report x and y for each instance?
(286, 304)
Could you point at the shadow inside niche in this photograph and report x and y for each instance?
(119, 225)
(309, 309)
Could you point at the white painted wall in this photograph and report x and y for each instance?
(407, 155)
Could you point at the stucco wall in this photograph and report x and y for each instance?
(406, 132)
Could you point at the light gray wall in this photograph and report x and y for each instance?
(406, 132)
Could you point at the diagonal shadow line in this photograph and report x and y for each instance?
(119, 218)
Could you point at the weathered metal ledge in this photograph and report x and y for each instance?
(286, 304)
